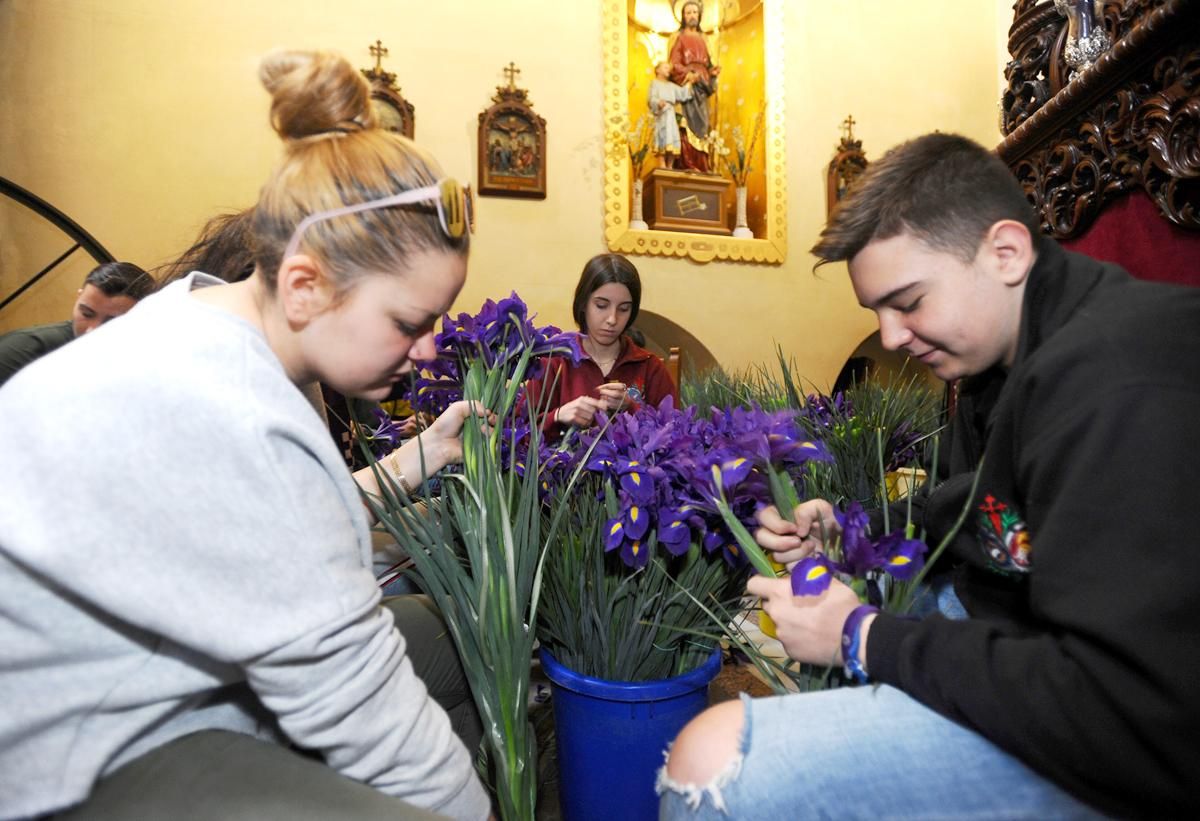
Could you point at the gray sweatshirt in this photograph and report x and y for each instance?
(182, 548)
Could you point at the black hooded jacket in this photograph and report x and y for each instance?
(1077, 561)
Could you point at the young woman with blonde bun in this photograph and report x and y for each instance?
(187, 599)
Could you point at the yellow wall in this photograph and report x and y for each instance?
(141, 118)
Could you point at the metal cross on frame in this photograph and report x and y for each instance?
(378, 51)
(511, 72)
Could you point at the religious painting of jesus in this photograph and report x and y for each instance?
(512, 144)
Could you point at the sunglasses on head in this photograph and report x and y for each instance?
(454, 209)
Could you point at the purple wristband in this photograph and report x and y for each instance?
(852, 641)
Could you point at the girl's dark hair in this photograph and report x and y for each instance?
(602, 270)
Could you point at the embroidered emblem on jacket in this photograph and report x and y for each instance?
(1004, 536)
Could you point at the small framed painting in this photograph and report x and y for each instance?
(512, 144)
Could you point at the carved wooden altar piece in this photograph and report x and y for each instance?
(1130, 122)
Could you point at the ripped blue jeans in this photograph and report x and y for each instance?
(866, 752)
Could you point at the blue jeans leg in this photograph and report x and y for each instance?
(937, 596)
(866, 752)
(869, 752)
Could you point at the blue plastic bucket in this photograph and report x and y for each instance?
(611, 736)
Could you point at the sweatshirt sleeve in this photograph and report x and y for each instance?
(1097, 686)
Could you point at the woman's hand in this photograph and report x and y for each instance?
(416, 423)
(809, 627)
(441, 442)
(813, 522)
(612, 394)
(425, 454)
(579, 412)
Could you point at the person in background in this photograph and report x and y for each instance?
(206, 617)
(1057, 678)
(615, 373)
(108, 291)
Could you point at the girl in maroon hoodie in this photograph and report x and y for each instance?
(615, 373)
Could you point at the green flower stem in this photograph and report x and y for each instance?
(910, 592)
(783, 492)
(883, 491)
(758, 559)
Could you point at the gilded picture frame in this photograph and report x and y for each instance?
(623, 106)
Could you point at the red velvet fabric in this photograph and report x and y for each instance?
(1133, 233)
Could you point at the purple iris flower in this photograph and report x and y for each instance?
(435, 395)
(859, 553)
(902, 558)
(732, 471)
(614, 533)
(826, 411)
(635, 480)
(567, 344)
(635, 553)
(673, 465)
(858, 556)
(902, 445)
(812, 575)
(498, 336)
(385, 436)
(637, 521)
(673, 531)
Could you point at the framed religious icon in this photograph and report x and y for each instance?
(393, 111)
(694, 99)
(847, 165)
(512, 144)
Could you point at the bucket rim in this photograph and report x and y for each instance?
(631, 691)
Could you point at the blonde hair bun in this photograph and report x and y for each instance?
(315, 93)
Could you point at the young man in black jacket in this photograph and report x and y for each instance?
(1072, 687)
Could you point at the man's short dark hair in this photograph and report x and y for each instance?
(943, 189)
(121, 279)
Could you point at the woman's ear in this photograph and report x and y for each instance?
(1008, 246)
(304, 290)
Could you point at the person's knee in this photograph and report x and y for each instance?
(707, 745)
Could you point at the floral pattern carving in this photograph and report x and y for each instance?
(1118, 127)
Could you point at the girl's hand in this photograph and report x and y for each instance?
(416, 423)
(425, 454)
(612, 394)
(442, 440)
(579, 412)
